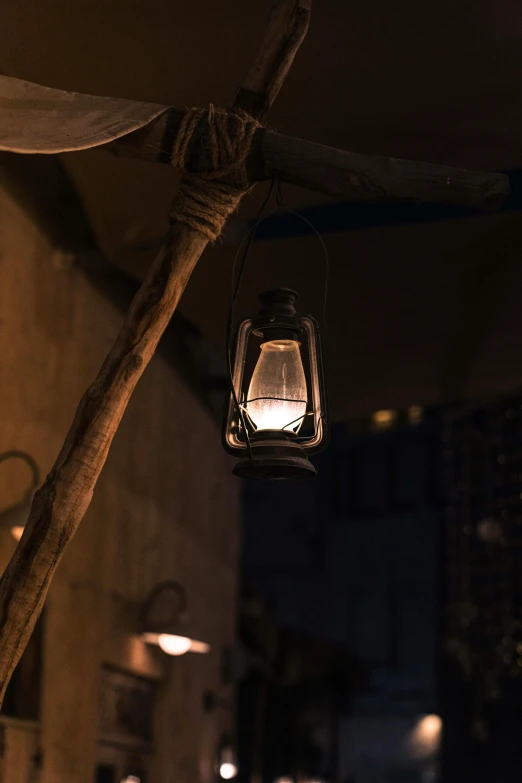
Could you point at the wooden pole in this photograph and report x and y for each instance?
(345, 175)
(61, 503)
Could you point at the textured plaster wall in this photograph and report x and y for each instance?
(166, 507)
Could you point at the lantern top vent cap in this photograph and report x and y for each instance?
(277, 319)
(279, 301)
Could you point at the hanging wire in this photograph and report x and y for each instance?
(280, 202)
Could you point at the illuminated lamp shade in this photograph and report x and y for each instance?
(276, 413)
(15, 517)
(173, 634)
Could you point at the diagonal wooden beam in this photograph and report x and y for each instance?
(345, 175)
(61, 503)
(286, 31)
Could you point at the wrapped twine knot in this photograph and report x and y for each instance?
(206, 199)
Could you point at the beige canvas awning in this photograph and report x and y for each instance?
(38, 119)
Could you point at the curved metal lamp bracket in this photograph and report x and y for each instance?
(162, 587)
(31, 462)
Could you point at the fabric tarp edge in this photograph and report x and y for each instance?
(38, 119)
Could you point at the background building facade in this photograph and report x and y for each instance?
(166, 507)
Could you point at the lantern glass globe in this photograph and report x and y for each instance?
(277, 394)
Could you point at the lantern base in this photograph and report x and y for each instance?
(275, 459)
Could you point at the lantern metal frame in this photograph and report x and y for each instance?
(276, 454)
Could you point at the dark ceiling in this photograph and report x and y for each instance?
(418, 313)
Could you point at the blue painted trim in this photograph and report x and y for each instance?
(345, 216)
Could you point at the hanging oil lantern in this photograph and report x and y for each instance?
(276, 414)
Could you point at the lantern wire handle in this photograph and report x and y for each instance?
(280, 202)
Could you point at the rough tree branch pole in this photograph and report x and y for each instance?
(62, 501)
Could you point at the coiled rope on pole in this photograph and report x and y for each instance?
(206, 199)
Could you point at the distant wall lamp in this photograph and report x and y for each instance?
(228, 766)
(276, 413)
(383, 420)
(15, 517)
(172, 634)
